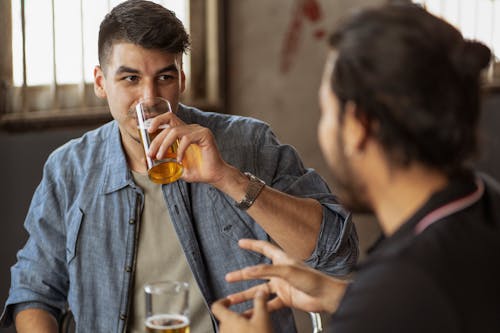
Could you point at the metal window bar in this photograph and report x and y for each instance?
(81, 86)
(39, 91)
(23, 33)
(476, 12)
(53, 85)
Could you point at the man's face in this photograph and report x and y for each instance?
(132, 73)
(347, 184)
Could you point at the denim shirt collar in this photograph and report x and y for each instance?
(116, 176)
(184, 114)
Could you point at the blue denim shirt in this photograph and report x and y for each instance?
(83, 224)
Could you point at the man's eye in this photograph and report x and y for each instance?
(131, 78)
(165, 77)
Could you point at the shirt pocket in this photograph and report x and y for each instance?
(73, 229)
(233, 223)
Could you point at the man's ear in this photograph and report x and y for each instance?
(356, 129)
(99, 80)
(183, 81)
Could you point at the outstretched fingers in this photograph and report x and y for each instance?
(264, 271)
(248, 294)
(272, 305)
(265, 248)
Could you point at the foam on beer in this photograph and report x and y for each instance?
(163, 321)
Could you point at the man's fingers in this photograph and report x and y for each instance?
(158, 146)
(168, 118)
(265, 248)
(260, 305)
(221, 310)
(186, 134)
(275, 304)
(248, 294)
(264, 272)
(247, 273)
(167, 139)
(272, 305)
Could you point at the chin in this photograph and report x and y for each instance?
(354, 203)
(350, 190)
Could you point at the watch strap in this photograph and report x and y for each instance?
(253, 190)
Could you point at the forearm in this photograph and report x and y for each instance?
(293, 223)
(36, 321)
(333, 293)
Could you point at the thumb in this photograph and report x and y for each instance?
(260, 306)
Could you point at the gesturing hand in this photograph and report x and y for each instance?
(294, 283)
(230, 321)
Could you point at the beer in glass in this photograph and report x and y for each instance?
(167, 307)
(166, 170)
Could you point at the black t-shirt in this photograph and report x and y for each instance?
(445, 279)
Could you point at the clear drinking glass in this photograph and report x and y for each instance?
(167, 307)
(166, 170)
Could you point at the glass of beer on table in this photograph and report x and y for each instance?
(167, 308)
(166, 170)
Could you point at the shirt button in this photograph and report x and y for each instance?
(123, 316)
(128, 268)
(131, 221)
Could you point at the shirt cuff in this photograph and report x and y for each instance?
(12, 310)
(336, 251)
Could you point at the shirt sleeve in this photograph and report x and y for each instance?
(16, 308)
(336, 250)
(393, 297)
(39, 276)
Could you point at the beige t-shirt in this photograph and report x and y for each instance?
(160, 257)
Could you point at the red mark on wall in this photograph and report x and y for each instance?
(305, 10)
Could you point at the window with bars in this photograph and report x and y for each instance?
(476, 19)
(50, 49)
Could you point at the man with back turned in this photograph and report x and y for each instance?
(400, 109)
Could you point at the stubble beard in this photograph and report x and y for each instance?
(347, 185)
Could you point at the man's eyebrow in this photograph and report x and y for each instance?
(169, 68)
(125, 69)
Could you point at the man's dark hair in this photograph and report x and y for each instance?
(416, 83)
(143, 23)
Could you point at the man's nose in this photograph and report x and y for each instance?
(149, 90)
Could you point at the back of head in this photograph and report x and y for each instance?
(415, 80)
(143, 23)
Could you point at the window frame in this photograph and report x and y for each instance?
(21, 108)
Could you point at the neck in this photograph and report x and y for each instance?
(134, 152)
(403, 192)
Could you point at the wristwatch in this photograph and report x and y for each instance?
(254, 188)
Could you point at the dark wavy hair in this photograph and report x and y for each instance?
(143, 23)
(416, 83)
